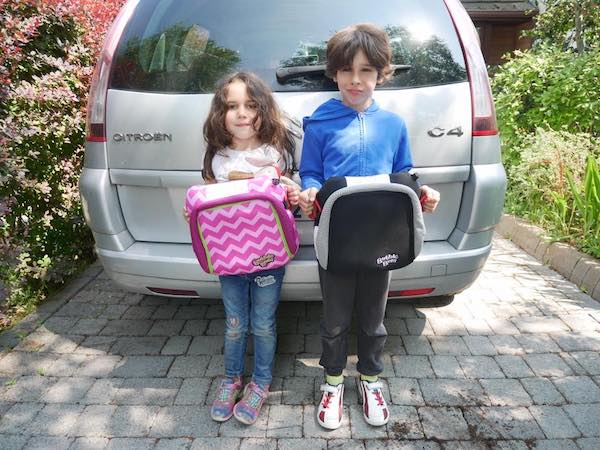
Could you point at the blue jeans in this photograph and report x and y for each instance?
(251, 304)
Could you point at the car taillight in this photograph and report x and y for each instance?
(410, 292)
(484, 115)
(96, 107)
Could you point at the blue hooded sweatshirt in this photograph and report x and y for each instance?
(340, 141)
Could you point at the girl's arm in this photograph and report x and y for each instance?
(293, 190)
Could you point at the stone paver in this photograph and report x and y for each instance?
(548, 365)
(542, 391)
(554, 422)
(193, 391)
(184, 421)
(443, 423)
(412, 366)
(513, 366)
(586, 418)
(578, 389)
(513, 363)
(452, 392)
(503, 423)
(503, 392)
(480, 367)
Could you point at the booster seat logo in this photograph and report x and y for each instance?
(264, 260)
(387, 259)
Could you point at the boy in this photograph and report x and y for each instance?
(354, 137)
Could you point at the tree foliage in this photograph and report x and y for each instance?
(558, 25)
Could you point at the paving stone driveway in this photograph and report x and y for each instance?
(512, 363)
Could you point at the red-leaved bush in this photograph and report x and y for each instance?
(47, 52)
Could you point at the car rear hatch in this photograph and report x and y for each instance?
(172, 52)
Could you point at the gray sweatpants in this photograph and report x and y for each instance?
(365, 292)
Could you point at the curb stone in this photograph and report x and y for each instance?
(11, 338)
(579, 268)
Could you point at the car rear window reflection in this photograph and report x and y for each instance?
(185, 46)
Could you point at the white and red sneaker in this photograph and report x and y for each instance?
(375, 410)
(331, 407)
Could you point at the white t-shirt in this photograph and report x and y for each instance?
(258, 161)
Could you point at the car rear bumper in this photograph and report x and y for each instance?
(174, 266)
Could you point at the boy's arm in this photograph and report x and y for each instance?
(403, 156)
(311, 162)
(403, 163)
(431, 198)
(311, 170)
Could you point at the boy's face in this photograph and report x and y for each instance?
(357, 82)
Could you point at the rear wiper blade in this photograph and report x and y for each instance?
(284, 74)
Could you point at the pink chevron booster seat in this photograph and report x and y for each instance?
(241, 226)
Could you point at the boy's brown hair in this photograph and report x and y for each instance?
(372, 40)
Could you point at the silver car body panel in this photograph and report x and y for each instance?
(182, 115)
(174, 266)
(133, 188)
(152, 199)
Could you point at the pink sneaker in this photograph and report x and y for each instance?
(331, 408)
(248, 408)
(375, 410)
(228, 393)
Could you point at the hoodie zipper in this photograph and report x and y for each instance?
(361, 124)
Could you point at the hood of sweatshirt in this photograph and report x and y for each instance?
(334, 109)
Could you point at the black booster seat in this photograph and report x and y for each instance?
(368, 223)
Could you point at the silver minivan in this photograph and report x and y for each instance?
(151, 93)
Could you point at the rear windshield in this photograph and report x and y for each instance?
(185, 46)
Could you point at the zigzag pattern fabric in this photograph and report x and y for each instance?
(241, 227)
(239, 235)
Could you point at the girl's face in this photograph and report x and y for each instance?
(357, 82)
(239, 118)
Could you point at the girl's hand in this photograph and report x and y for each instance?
(186, 215)
(293, 190)
(307, 200)
(431, 198)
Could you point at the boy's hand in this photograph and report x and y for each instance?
(430, 198)
(186, 214)
(307, 200)
(293, 190)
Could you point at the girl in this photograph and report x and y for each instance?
(246, 136)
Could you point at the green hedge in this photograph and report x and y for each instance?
(46, 62)
(550, 89)
(548, 108)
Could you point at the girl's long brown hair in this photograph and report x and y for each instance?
(272, 131)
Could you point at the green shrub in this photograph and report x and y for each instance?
(47, 52)
(554, 87)
(550, 89)
(587, 203)
(546, 184)
(44, 131)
